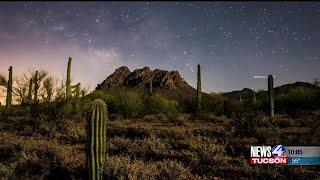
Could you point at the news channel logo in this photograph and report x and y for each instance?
(279, 151)
(268, 155)
(289, 155)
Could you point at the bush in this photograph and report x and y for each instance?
(155, 118)
(120, 101)
(189, 105)
(297, 99)
(175, 118)
(157, 104)
(126, 168)
(128, 103)
(4, 171)
(283, 121)
(107, 97)
(172, 170)
(46, 111)
(212, 103)
(233, 106)
(245, 126)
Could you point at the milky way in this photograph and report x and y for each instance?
(233, 41)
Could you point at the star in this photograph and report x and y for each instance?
(194, 32)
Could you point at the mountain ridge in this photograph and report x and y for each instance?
(173, 85)
(248, 93)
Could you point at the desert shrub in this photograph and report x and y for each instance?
(215, 166)
(245, 126)
(280, 103)
(178, 118)
(30, 169)
(266, 136)
(47, 111)
(126, 168)
(47, 129)
(263, 121)
(107, 97)
(217, 131)
(205, 147)
(128, 131)
(209, 117)
(172, 133)
(4, 171)
(158, 104)
(175, 119)
(9, 152)
(212, 103)
(283, 121)
(155, 118)
(34, 164)
(184, 117)
(233, 106)
(72, 131)
(128, 103)
(262, 100)
(17, 110)
(66, 109)
(115, 117)
(172, 170)
(189, 105)
(3, 80)
(297, 99)
(154, 148)
(119, 145)
(235, 148)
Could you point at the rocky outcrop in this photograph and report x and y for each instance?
(138, 78)
(168, 82)
(116, 79)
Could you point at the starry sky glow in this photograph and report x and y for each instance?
(233, 41)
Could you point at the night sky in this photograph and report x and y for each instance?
(233, 41)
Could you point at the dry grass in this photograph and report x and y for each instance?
(149, 148)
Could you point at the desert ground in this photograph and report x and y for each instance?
(158, 146)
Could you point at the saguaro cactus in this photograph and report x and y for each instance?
(271, 95)
(36, 88)
(68, 81)
(199, 89)
(75, 103)
(77, 88)
(9, 89)
(97, 127)
(30, 91)
(150, 87)
(254, 96)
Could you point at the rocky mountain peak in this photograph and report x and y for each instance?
(166, 81)
(115, 79)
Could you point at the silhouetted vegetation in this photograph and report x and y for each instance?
(149, 135)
